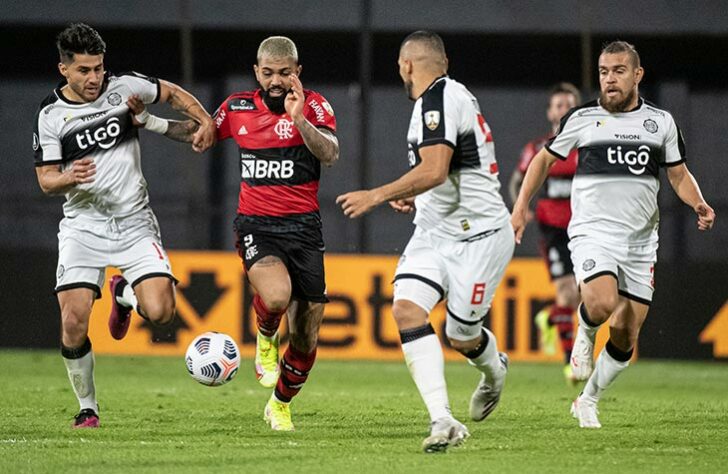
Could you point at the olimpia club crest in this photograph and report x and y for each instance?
(650, 125)
(432, 119)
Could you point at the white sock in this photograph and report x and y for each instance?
(81, 375)
(606, 370)
(127, 298)
(426, 364)
(488, 362)
(590, 331)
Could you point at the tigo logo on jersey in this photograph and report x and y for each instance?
(101, 135)
(284, 129)
(267, 169)
(639, 157)
(432, 119)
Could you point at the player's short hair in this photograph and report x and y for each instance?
(79, 38)
(428, 38)
(565, 88)
(616, 47)
(278, 47)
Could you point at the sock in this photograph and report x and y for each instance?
(585, 323)
(610, 363)
(426, 363)
(268, 322)
(125, 295)
(80, 367)
(485, 357)
(295, 367)
(562, 318)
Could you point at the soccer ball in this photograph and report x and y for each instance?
(212, 358)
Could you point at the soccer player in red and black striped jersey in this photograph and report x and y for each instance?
(553, 212)
(284, 134)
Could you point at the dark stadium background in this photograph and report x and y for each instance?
(507, 53)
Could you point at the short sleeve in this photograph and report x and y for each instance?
(567, 138)
(319, 111)
(439, 117)
(222, 122)
(147, 88)
(46, 144)
(674, 144)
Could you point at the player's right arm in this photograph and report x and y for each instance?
(532, 182)
(54, 181)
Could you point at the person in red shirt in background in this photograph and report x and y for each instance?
(553, 212)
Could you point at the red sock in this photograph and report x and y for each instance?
(295, 367)
(563, 318)
(267, 322)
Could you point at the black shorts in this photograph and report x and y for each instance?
(301, 251)
(554, 246)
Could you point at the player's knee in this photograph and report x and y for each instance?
(75, 324)
(160, 312)
(601, 307)
(276, 300)
(408, 315)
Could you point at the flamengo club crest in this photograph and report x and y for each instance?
(284, 129)
(432, 119)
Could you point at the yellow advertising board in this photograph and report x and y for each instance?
(213, 295)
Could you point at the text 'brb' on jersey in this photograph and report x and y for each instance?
(469, 201)
(279, 174)
(66, 131)
(614, 194)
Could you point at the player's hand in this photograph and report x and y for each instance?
(706, 216)
(204, 137)
(519, 221)
(357, 203)
(404, 206)
(295, 99)
(82, 171)
(136, 107)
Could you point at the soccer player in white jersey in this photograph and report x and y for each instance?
(462, 242)
(87, 148)
(622, 141)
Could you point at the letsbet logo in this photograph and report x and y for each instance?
(258, 169)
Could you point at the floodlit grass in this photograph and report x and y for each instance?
(356, 417)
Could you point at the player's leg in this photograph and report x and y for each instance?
(596, 270)
(472, 288)
(76, 304)
(418, 286)
(561, 316)
(147, 284)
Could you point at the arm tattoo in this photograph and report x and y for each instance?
(181, 131)
(321, 142)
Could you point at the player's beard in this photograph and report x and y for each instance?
(614, 107)
(408, 85)
(276, 104)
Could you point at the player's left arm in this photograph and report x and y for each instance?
(432, 171)
(687, 189)
(321, 142)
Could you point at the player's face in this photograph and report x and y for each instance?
(618, 81)
(558, 106)
(85, 76)
(274, 74)
(405, 72)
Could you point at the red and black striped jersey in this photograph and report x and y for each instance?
(553, 207)
(279, 174)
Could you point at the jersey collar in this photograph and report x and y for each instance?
(437, 79)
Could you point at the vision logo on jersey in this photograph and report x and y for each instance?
(284, 129)
(257, 169)
(636, 160)
(104, 136)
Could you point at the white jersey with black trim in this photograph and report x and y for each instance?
(66, 131)
(614, 191)
(469, 201)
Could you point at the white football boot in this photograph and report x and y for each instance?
(444, 432)
(586, 412)
(487, 394)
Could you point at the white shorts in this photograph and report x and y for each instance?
(465, 273)
(132, 244)
(632, 266)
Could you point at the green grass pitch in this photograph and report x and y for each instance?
(356, 417)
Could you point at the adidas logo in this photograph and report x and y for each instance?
(243, 130)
